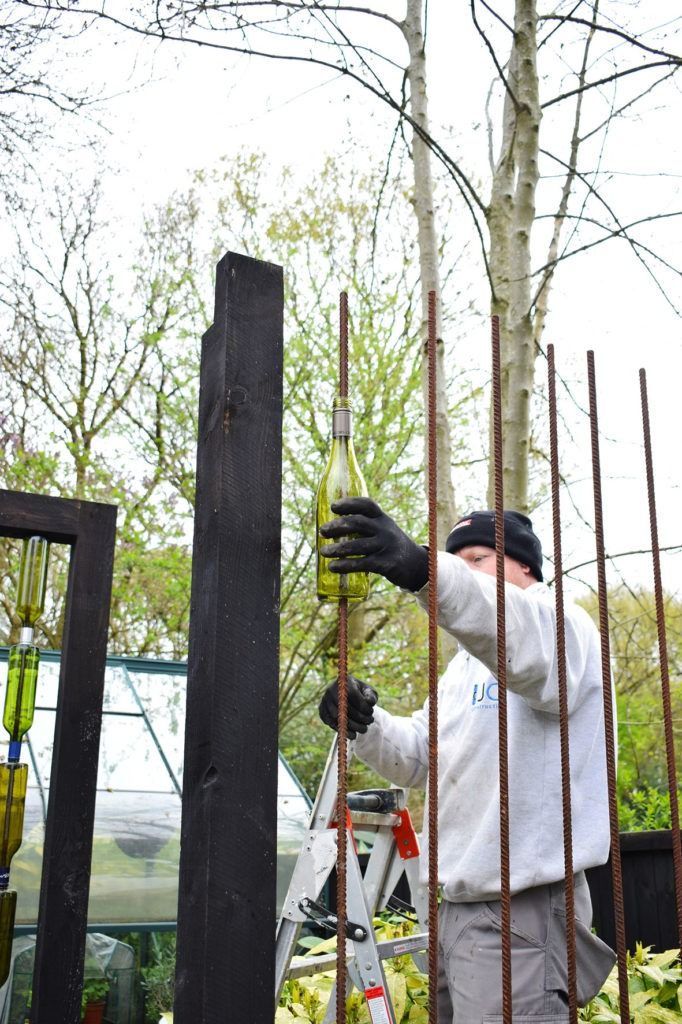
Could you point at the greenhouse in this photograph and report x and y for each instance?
(134, 884)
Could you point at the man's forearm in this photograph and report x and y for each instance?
(396, 748)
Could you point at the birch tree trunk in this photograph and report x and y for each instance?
(429, 274)
(510, 219)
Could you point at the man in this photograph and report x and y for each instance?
(366, 539)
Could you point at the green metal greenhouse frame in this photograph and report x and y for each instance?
(137, 816)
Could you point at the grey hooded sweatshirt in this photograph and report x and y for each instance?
(468, 769)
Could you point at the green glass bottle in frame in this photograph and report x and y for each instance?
(8, 907)
(32, 580)
(342, 478)
(13, 779)
(20, 697)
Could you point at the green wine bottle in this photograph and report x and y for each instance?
(20, 698)
(8, 906)
(13, 779)
(342, 478)
(32, 580)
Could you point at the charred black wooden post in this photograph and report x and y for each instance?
(226, 915)
(90, 529)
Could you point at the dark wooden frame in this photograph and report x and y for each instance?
(90, 530)
(226, 906)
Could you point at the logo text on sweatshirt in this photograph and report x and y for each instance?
(485, 695)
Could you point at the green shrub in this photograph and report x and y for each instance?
(158, 980)
(654, 984)
(644, 808)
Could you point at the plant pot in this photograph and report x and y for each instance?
(94, 1012)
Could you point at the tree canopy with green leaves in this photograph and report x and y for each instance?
(100, 390)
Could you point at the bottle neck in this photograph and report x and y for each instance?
(342, 423)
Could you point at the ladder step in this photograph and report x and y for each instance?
(304, 967)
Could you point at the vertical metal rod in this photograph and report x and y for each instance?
(663, 657)
(343, 344)
(505, 890)
(609, 739)
(433, 663)
(569, 892)
(341, 816)
(342, 798)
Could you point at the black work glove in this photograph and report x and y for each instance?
(361, 699)
(381, 545)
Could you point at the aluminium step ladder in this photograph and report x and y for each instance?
(395, 850)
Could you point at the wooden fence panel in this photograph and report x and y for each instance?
(648, 889)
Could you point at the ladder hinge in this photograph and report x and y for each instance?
(320, 915)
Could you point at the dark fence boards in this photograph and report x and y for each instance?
(226, 914)
(90, 529)
(648, 890)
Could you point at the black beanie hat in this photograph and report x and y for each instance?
(519, 540)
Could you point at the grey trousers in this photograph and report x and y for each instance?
(470, 980)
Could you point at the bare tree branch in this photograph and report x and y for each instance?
(611, 78)
(632, 40)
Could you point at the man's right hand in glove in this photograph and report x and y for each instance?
(361, 699)
(370, 541)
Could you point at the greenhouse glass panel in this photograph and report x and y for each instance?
(136, 843)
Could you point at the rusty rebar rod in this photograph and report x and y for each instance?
(342, 763)
(569, 893)
(433, 663)
(663, 657)
(505, 889)
(343, 345)
(609, 738)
